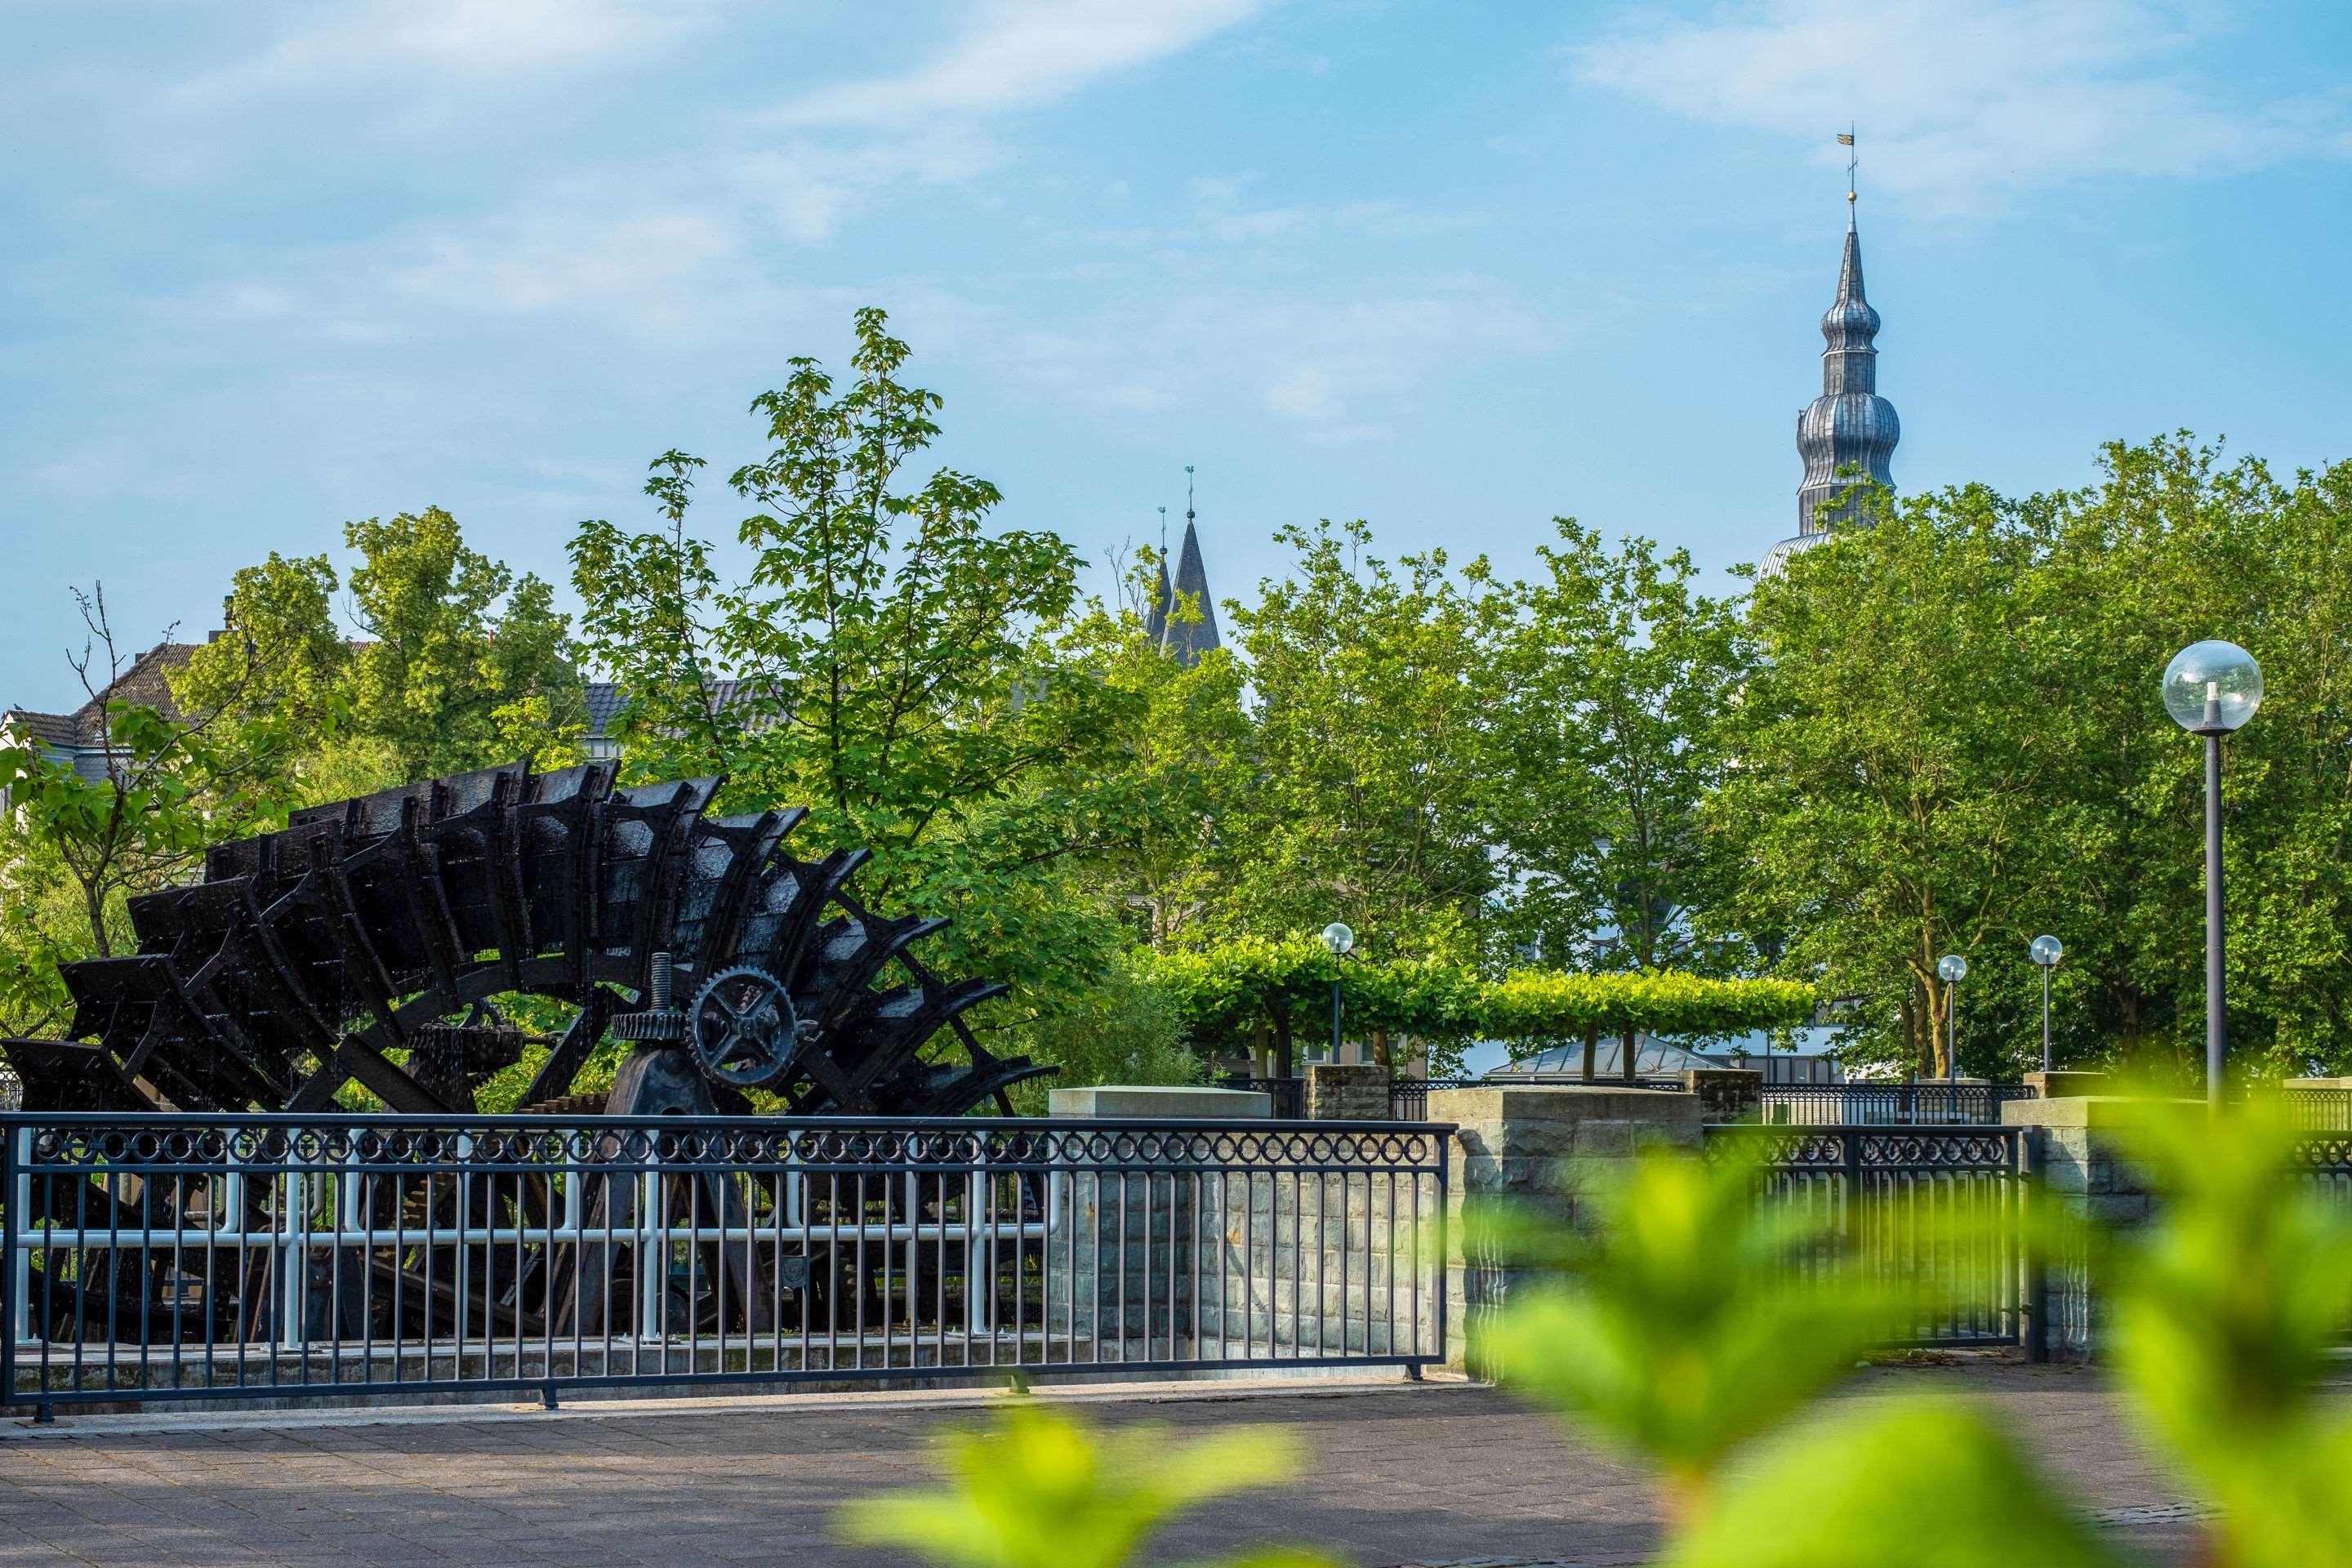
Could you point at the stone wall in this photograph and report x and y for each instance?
(2084, 1177)
(1543, 1151)
(1352, 1092)
(1292, 1244)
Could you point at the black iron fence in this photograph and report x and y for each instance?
(2320, 1110)
(191, 1258)
(1409, 1096)
(1924, 1103)
(1940, 1206)
(1289, 1094)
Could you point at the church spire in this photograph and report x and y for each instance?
(1846, 435)
(1187, 640)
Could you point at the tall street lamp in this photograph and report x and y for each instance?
(2045, 952)
(1341, 940)
(2210, 689)
(1953, 969)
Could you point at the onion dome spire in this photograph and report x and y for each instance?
(1846, 435)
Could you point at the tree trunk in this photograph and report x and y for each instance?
(1380, 1049)
(1940, 1042)
(1625, 1064)
(1261, 1054)
(1591, 1049)
(93, 899)
(1285, 1066)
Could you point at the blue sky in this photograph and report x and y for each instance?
(1450, 266)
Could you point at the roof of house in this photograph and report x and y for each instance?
(147, 683)
(1652, 1057)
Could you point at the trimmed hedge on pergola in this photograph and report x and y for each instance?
(1230, 991)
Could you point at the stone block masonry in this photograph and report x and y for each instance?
(2084, 1178)
(1257, 1246)
(1541, 1151)
(1350, 1091)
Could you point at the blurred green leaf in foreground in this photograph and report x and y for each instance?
(1041, 1488)
(1916, 1482)
(2228, 1310)
(1687, 1320)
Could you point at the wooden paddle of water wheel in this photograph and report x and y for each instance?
(367, 944)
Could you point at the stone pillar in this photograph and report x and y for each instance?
(1537, 1149)
(1355, 1091)
(1122, 1272)
(1729, 1094)
(2082, 1176)
(2065, 1083)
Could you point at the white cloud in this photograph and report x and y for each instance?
(1961, 102)
(1304, 393)
(468, 38)
(1018, 53)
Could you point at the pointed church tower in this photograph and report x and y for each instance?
(1848, 426)
(1186, 640)
(1847, 435)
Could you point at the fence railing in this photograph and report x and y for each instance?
(1940, 1206)
(2319, 1109)
(190, 1258)
(1289, 1094)
(1887, 1104)
(1409, 1096)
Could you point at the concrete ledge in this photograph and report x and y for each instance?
(1173, 1101)
(1562, 1101)
(2090, 1111)
(2068, 1083)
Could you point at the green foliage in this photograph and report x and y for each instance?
(1125, 1030)
(1375, 689)
(1953, 740)
(1548, 1005)
(1226, 990)
(1847, 1490)
(2230, 1311)
(899, 666)
(162, 792)
(462, 665)
(1680, 1328)
(1042, 1489)
(1617, 676)
(1184, 751)
(465, 666)
(1878, 805)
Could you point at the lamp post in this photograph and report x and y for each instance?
(2210, 689)
(1341, 939)
(2045, 952)
(1953, 969)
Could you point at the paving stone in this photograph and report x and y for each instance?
(1425, 1476)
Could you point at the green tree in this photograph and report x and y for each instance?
(1185, 750)
(463, 665)
(889, 660)
(1374, 687)
(459, 664)
(2173, 545)
(1885, 807)
(1618, 674)
(160, 791)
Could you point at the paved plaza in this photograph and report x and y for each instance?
(1442, 1472)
